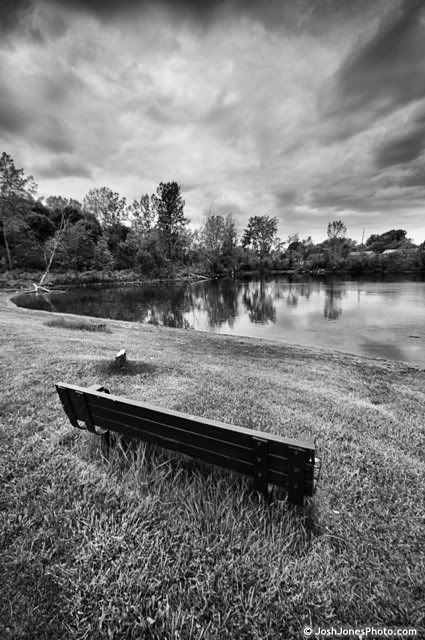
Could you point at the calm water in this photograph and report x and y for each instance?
(382, 318)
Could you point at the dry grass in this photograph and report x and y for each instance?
(153, 546)
(80, 325)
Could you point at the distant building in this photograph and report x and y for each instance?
(406, 247)
(362, 253)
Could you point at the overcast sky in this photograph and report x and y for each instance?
(308, 110)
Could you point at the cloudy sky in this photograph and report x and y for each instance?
(308, 110)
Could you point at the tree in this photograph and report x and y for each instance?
(115, 234)
(393, 239)
(336, 229)
(106, 205)
(230, 239)
(260, 234)
(41, 226)
(102, 256)
(171, 222)
(75, 247)
(51, 246)
(59, 202)
(145, 262)
(14, 186)
(212, 232)
(218, 239)
(142, 214)
(298, 250)
(294, 237)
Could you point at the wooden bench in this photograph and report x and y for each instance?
(269, 459)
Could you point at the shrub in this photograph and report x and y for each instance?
(145, 262)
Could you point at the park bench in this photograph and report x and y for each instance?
(268, 459)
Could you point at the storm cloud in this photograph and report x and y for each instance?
(380, 75)
(405, 147)
(63, 167)
(295, 15)
(303, 109)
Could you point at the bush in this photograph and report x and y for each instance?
(145, 263)
(125, 254)
(403, 260)
(316, 261)
(362, 263)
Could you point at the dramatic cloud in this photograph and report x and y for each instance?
(303, 109)
(295, 15)
(63, 167)
(405, 147)
(380, 75)
(12, 13)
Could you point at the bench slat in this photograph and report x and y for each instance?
(118, 421)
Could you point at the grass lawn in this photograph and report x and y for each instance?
(154, 546)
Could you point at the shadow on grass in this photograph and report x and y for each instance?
(159, 467)
(81, 325)
(130, 368)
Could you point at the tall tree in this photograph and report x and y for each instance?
(230, 239)
(142, 214)
(14, 186)
(218, 238)
(212, 232)
(51, 246)
(337, 246)
(106, 205)
(171, 221)
(260, 234)
(336, 229)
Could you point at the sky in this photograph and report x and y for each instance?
(307, 110)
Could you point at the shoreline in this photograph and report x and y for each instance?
(11, 281)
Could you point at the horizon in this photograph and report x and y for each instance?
(308, 111)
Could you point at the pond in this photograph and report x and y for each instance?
(383, 318)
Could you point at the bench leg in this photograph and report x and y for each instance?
(105, 444)
(260, 465)
(296, 476)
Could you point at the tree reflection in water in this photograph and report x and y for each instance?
(220, 300)
(333, 301)
(174, 304)
(170, 305)
(213, 303)
(258, 301)
(292, 297)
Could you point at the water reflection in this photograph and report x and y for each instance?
(333, 302)
(370, 317)
(258, 302)
(219, 301)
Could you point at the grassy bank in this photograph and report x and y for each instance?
(158, 547)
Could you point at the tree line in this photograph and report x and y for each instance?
(152, 236)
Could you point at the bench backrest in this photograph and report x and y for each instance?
(269, 459)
